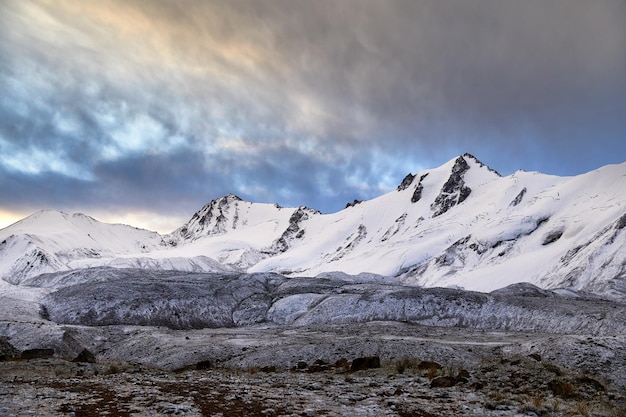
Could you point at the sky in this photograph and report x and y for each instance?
(141, 112)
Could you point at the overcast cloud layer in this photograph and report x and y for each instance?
(145, 110)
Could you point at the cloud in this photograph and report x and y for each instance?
(131, 104)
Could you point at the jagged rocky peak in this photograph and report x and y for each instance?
(211, 218)
(461, 165)
(354, 203)
(229, 198)
(454, 191)
(406, 182)
(476, 160)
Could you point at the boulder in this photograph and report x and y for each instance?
(462, 377)
(443, 382)
(7, 351)
(364, 363)
(37, 354)
(203, 365)
(85, 356)
(318, 366)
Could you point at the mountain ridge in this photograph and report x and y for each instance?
(459, 225)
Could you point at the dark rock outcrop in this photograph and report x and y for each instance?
(552, 237)
(293, 231)
(7, 351)
(406, 182)
(354, 203)
(443, 382)
(203, 365)
(454, 191)
(365, 363)
(518, 198)
(85, 356)
(37, 354)
(417, 194)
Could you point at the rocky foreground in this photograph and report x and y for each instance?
(511, 385)
(372, 369)
(123, 343)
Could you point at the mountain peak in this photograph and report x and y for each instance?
(215, 218)
(454, 190)
(42, 220)
(467, 156)
(460, 163)
(231, 197)
(457, 224)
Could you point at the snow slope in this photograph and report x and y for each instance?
(458, 225)
(49, 241)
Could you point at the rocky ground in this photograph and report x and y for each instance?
(430, 352)
(502, 385)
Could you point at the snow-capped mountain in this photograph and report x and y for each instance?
(461, 224)
(49, 241)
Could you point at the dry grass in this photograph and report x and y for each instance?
(405, 364)
(582, 408)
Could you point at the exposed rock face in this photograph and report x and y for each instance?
(454, 191)
(406, 182)
(552, 237)
(354, 203)
(210, 219)
(351, 242)
(518, 198)
(293, 231)
(417, 194)
(398, 224)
